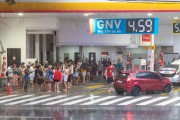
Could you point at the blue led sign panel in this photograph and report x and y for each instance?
(124, 26)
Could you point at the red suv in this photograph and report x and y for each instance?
(134, 82)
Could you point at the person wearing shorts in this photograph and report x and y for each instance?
(110, 77)
(76, 75)
(65, 78)
(32, 74)
(57, 79)
(49, 78)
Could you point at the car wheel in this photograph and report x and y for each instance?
(135, 91)
(167, 88)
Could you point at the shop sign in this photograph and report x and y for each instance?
(124, 26)
(145, 40)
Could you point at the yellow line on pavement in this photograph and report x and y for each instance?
(95, 86)
(99, 92)
(175, 90)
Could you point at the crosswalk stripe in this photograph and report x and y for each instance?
(62, 100)
(135, 100)
(87, 100)
(116, 100)
(152, 101)
(7, 96)
(45, 100)
(16, 98)
(177, 104)
(26, 100)
(168, 101)
(98, 100)
(81, 100)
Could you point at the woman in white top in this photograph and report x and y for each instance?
(32, 74)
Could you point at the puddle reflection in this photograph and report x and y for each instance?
(86, 113)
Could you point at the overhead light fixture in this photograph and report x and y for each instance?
(92, 45)
(86, 14)
(20, 14)
(10, 2)
(149, 14)
(176, 18)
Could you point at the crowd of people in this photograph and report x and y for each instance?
(51, 77)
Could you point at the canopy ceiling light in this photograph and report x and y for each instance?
(10, 2)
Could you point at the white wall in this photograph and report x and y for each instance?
(165, 36)
(176, 38)
(13, 35)
(77, 33)
(13, 31)
(141, 52)
(68, 49)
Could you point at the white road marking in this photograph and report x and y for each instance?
(98, 100)
(8, 96)
(62, 100)
(16, 98)
(45, 100)
(152, 101)
(81, 100)
(116, 100)
(168, 101)
(135, 100)
(26, 100)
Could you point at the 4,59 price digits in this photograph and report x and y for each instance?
(176, 27)
(140, 26)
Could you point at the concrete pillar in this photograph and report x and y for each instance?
(28, 45)
(151, 54)
(44, 48)
(31, 46)
(54, 48)
(37, 51)
(81, 52)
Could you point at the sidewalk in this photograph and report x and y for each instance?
(85, 89)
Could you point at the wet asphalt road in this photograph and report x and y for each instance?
(95, 111)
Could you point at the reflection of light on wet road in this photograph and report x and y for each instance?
(129, 116)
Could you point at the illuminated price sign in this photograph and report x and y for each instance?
(142, 26)
(176, 27)
(124, 26)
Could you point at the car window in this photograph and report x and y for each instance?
(123, 75)
(142, 75)
(171, 66)
(154, 75)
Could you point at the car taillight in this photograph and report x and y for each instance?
(172, 71)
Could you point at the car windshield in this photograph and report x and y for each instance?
(123, 75)
(172, 66)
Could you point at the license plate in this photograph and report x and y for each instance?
(119, 81)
